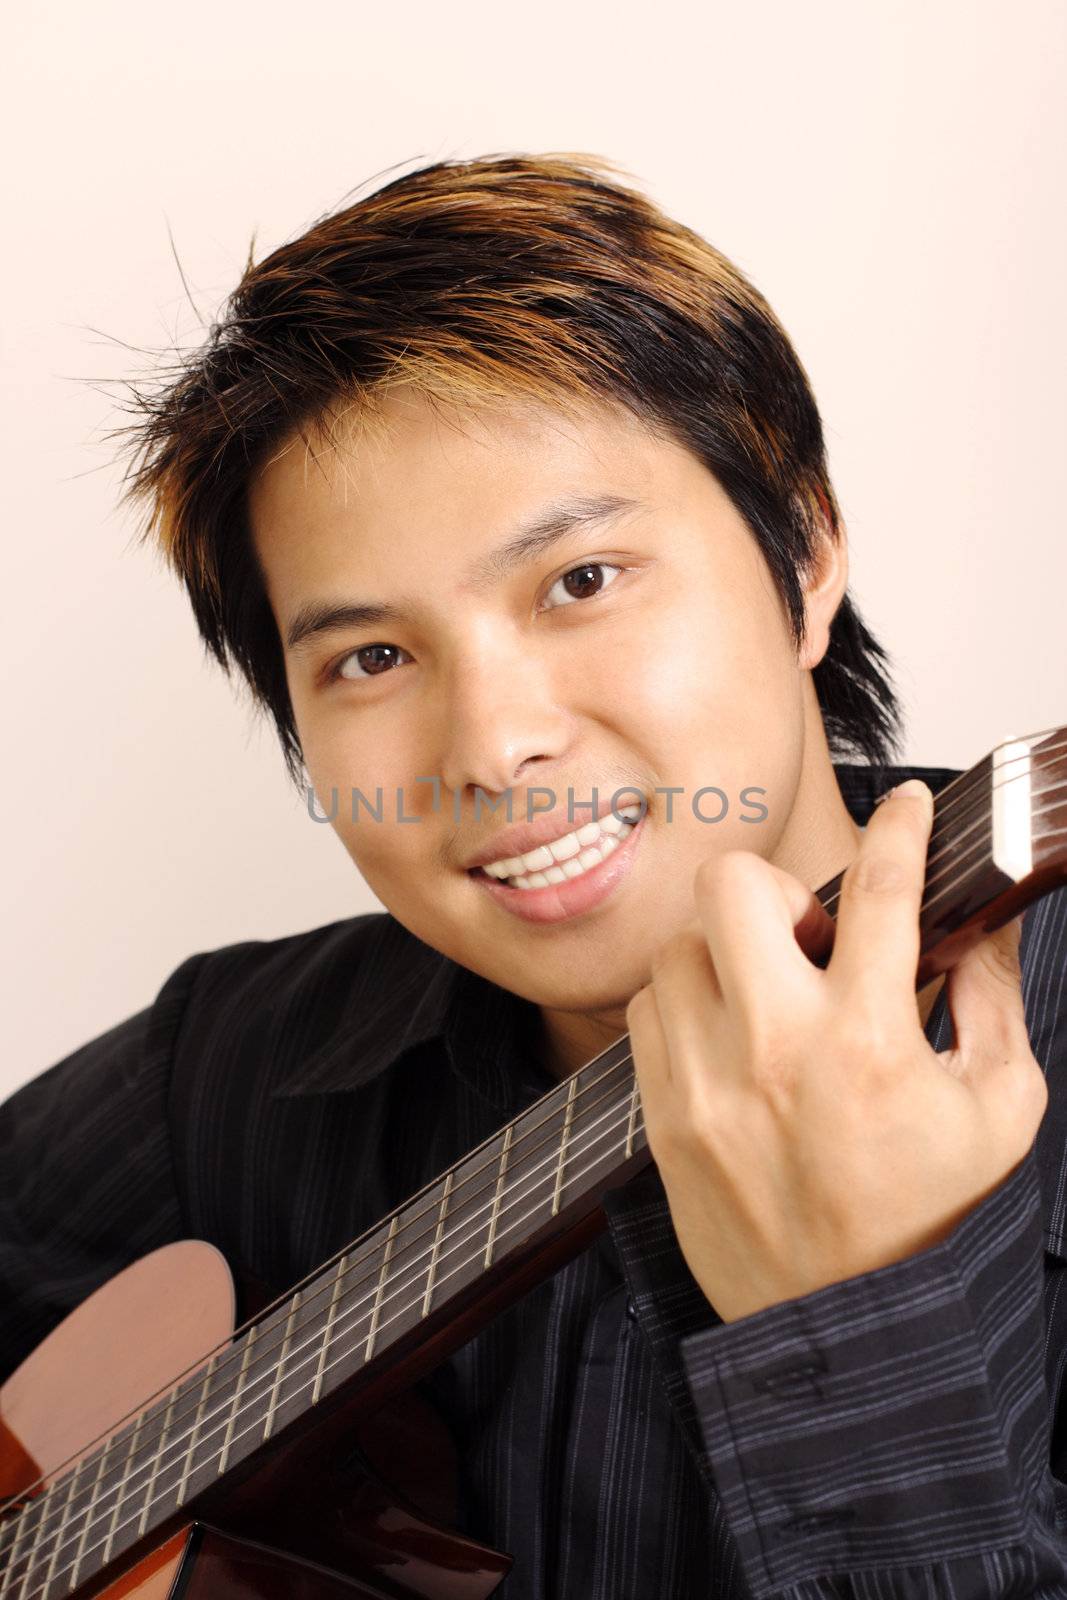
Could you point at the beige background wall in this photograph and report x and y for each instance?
(891, 175)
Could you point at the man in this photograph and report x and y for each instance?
(508, 497)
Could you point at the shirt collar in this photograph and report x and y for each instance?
(407, 995)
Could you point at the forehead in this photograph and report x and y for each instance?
(414, 459)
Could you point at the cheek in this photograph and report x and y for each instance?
(356, 780)
(721, 671)
(351, 747)
(713, 695)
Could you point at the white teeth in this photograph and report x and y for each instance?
(537, 860)
(575, 852)
(591, 856)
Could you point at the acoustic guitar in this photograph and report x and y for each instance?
(263, 1461)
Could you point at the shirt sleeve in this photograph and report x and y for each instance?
(890, 1435)
(86, 1178)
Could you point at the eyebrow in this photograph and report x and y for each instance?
(552, 524)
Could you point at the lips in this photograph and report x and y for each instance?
(521, 837)
(560, 902)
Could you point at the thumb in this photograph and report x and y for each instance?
(985, 996)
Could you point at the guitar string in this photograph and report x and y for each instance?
(264, 1380)
(100, 1513)
(402, 1286)
(625, 1113)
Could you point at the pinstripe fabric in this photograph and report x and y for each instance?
(888, 1436)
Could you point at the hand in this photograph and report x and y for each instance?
(804, 1129)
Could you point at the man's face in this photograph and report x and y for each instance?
(645, 650)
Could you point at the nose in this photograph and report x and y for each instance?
(502, 717)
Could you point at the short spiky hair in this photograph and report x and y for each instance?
(508, 276)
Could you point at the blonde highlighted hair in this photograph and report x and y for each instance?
(539, 276)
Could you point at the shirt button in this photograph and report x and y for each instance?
(631, 1311)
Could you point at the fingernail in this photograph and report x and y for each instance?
(913, 786)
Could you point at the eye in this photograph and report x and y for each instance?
(374, 659)
(584, 579)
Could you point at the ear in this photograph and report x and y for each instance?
(824, 587)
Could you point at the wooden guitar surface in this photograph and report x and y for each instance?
(127, 1342)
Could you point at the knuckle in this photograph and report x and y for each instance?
(879, 874)
(1019, 1099)
(725, 873)
(638, 1007)
(1030, 1089)
(868, 1037)
(771, 1054)
(688, 944)
(1002, 960)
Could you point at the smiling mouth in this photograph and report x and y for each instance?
(567, 858)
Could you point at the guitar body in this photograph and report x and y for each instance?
(131, 1340)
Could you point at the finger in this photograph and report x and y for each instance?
(760, 923)
(877, 944)
(687, 998)
(985, 999)
(651, 1057)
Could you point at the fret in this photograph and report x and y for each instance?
(436, 1250)
(631, 1121)
(55, 1534)
(172, 1486)
(89, 1503)
(156, 1459)
(568, 1118)
(87, 1520)
(533, 1177)
(305, 1334)
(294, 1307)
(195, 1429)
(331, 1317)
(379, 1291)
(607, 1125)
(235, 1407)
(142, 1456)
(40, 1515)
(9, 1525)
(89, 1483)
(114, 1524)
(22, 1524)
(13, 1526)
(500, 1176)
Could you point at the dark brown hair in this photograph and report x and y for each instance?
(507, 276)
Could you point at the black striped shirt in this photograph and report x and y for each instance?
(898, 1434)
